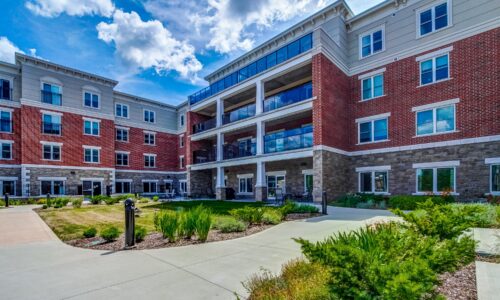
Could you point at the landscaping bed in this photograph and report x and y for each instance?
(459, 285)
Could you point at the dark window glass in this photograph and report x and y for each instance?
(46, 187)
(442, 67)
(252, 69)
(261, 65)
(377, 41)
(281, 55)
(425, 180)
(441, 16)
(8, 187)
(6, 151)
(495, 178)
(306, 43)
(445, 179)
(365, 132)
(271, 60)
(426, 22)
(4, 89)
(294, 49)
(366, 182)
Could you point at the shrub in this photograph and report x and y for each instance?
(203, 224)
(60, 202)
(109, 233)
(230, 225)
(41, 201)
(272, 216)
(367, 204)
(97, 199)
(156, 221)
(2, 203)
(140, 233)
(291, 207)
(109, 200)
(49, 202)
(77, 202)
(410, 202)
(90, 232)
(298, 280)
(169, 223)
(189, 220)
(144, 200)
(156, 198)
(247, 214)
(44, 206)
(123, 197)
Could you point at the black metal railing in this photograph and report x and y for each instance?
(205, 125)
(237, 150)
(203, 156)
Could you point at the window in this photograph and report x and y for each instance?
(434, 69)
(372, 131)
(433, 19)
(371, 43)
(436, 120)
(181, 119)
(51, 94)
(245, 184)
(8, 187)
(373, 87)
(5, 121)
(182, 186)
(149, 116)
(495, 179)
(5, 89)
(149, 187)
(121, 110)
(51, 152)
(181, 161)
(149, 138)
(90, 100)
(91, 127)
(122, 134)
(149, 160)
(181, 141)
(91, 155)
(373, 182)
(51, 124)
(123, 187)
(6, 150)
(435, 180)
(122, 158)
(53, 187)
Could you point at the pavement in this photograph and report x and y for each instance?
(35, 264)
(487, 274)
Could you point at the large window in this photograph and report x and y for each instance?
(373, 182)
(123, 187)
(149, 138)
(371, 43)
(436, 180)
(436, 120)
(373, 131)
(149, 116)
(433, 19)
(6, 150)
(495, 179)
(149, 187)
(53, 187)
(91, 155)
(90, 100)
(91, 127)
(122, 134)
(51, 94)
(122, 158)
(245, 184)
(8, 187)
(373, 87)
(51, 124)
(434, 69)
(5, 89)
(121, 110)
(149, 160)
(51, 152)
(5, 121)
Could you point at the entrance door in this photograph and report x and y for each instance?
(91, 188)
(96, 188)
(275, 182)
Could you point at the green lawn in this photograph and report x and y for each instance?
(69, 223)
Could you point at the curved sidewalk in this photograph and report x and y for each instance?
(34, 264)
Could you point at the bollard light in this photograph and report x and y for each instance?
(6, 199)
(129, 223)
(324, 208)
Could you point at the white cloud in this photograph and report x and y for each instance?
(53, 8)
(8, 50)
(148, 44)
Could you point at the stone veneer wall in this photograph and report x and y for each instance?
(330, 174)
(13, 172)
(137, 179)
(200, 183)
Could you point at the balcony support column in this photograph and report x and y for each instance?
(261, 132)
(259, 97)
(219, 149)
(220, 112)
(220, 186)
(260, 184)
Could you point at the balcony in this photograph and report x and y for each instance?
(291, 96)
(204, 126)
(238, 150)
(51, 128)
(293, 139)
(239, 114)
(5, 125)
(51, 98)
(204, 156)
(277, 57)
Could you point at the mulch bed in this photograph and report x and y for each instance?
(459, 285)
(292, 217)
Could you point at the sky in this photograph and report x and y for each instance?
(158, 49)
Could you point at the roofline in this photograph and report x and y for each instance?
(156, 102)
(374, 9)
(27, 58)
(290, 29)
(9, 65)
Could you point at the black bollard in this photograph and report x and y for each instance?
(324, 209)
(6, 199)
(129, 223)
(48, 200)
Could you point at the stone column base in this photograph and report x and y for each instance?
(220, 193)
(260, 193)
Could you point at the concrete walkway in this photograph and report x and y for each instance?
(487, 274)
(36, 265)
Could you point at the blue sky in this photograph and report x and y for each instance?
(159, 49)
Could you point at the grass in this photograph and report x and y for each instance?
(69, 223)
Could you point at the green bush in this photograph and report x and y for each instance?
(90, 232)
(291, 207)
(109, 233)
(156, 221)
(41, 201)
(60, 202)
(2, 203)
(140, 233)
(76, 202)
(44, 206)
(156, 198)
(272, 216)
(410, 202)
(123, 197)
(247, 214)
(298, 280)
(109, 200)
(169, 224)
(230, 225)
(98, 199)
(189, 219)
(144, 200)
(203, 224)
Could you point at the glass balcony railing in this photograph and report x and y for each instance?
(203, 156)
(204, 126)
(237, 150)
(285, 53)
(239, 114)
(51, 128)
(297, 138)
(5, 125)
(294, 95)
(51, 98)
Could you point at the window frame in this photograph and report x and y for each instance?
(434, 70)
(52, 186)
(494, 163)
(92, 149)
(182, 120)
(149, 134)
(149, 155)
(245, 177)
(92, 93)
(372, 88)
(92, 121)
(9, 143)
(149, 183)
(52, 82)
(181, 141)
(51, 145)
(372, 179)
(122, 153)
(122, 182)
(181, 162)
(122, 105)
(127, 130)
(370, 33)
(149, 112)
(432, 7)
(52, 114)
(434, 119)
(10, 80)
(434, 180)
(9, 111)
(372, 120)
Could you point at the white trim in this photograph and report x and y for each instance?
(52, 113)
(91, 147)
(150, 180)
(276, 173)
(372, 73)
(373, 118)
(91, 119)
(7, 178)
(154, 115)
(122, 104)
(100, 179)
(122, 128)
(435, 105)
(67, 109)
(50, 80)
(371, 32)
(146, 126)
(8, 166)
(7, 142)
(372, 183)
(433, 54)
(66, 167)
(490, 178)
(97, 93)
(10, 103)
(91, 89)
(124, 180)
(492, 160)
(449, 14)
(49, 178)
(308, 172)
(122, 152)
(149, 154)
(51, 143)
(152, 172)
(434, 181)
(439, 164)
(7, 109)
(249, 175)
(373, 168)
(149, 132)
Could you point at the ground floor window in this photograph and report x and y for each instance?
(123, 187)
(149, 187)
(245, 185)
(53, 187)
(436, 180)
(275, 186)
(8, 187)
(183, 186)
(91, 187)
(308, 183)
(373, 182)
(495, 179)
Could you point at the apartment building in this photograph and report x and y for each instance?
(68, 132)
(400, 99)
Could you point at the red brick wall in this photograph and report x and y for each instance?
(14, 136)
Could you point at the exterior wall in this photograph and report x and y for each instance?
(14, 136)
(199, 183)
(14, 171)
(330, 175)
(137, 178)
